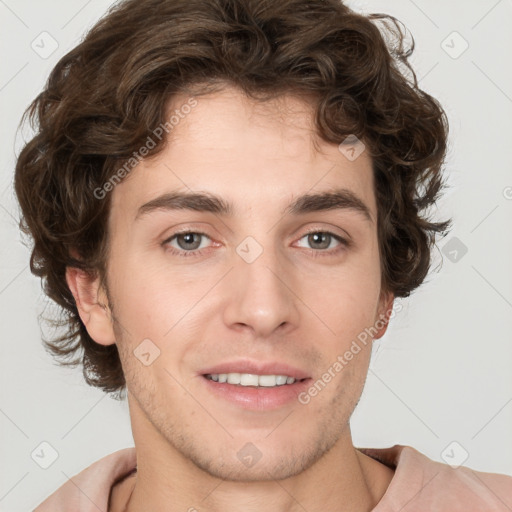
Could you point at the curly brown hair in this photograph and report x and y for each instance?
(106, 96)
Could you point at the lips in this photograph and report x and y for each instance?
(256, 398)
(256, 367)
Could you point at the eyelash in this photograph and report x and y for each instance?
(345, 244)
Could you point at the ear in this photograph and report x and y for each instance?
(383, 313)
(92, 304)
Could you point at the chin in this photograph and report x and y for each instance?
(250, 464)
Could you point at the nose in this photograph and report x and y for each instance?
(261, 295)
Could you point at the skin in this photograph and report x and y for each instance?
(287, 305)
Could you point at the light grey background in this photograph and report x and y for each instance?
(442, 372)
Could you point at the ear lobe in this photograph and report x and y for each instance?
(385, 310)
(94, 314)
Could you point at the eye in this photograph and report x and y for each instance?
(192, 243)
(187, 243)
(325, 241)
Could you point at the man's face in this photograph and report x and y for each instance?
(255, 285)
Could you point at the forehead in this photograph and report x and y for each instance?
(248, 152)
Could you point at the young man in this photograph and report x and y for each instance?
(224, 195)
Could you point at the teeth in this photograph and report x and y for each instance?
(281, 379)
(233, 378)
(250, 379)
(267, 380)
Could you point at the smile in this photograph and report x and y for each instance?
(251, 379)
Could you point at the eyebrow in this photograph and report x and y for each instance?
(339, 199)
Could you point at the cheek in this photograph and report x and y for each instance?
(345, 298)
(138, 315)
(348, 350)
(157, 305)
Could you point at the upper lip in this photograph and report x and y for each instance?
(256, 367)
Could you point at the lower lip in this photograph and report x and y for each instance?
(260, 398)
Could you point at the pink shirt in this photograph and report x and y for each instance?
(419, 485)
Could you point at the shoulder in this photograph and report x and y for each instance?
(95, 482)
(420, 483)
